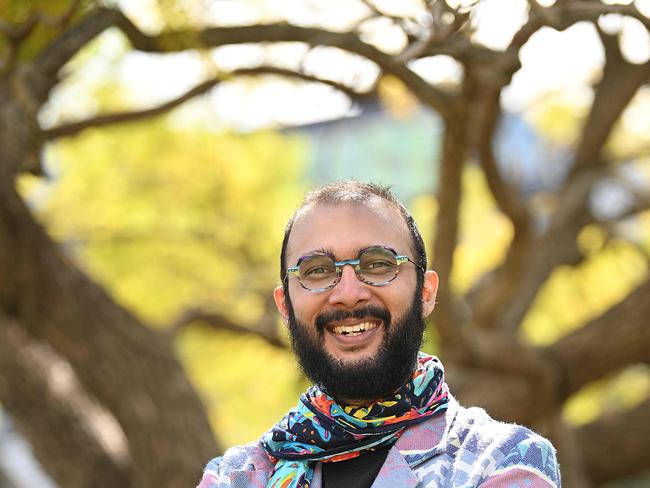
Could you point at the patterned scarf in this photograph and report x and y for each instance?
(319, 429)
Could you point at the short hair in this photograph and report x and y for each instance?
(354, 191)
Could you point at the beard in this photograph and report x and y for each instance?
(368, 379)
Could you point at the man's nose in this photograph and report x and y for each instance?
(350, 291)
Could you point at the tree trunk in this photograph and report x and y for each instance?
(53, 413)
(130, 369)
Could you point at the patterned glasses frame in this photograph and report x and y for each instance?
(355, 263)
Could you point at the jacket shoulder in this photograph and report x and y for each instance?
(247, 458)
(506, 451)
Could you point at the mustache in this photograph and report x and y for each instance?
(369, 312)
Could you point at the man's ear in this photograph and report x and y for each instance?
(280, 302)
(429, 292)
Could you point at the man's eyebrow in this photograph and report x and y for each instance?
(325, 250)
(320, 250)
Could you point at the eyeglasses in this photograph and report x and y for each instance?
(376, 265)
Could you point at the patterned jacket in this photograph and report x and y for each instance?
(460, 448)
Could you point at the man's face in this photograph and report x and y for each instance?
(374, 361)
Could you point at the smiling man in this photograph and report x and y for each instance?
(354, 295)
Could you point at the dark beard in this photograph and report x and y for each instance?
(369, 379)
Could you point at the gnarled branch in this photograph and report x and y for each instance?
(74, 128)
(619, 83)
(266, 329)
(166, 42)
(618, 338)
(42, 73)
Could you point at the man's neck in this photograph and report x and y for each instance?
(366, 402)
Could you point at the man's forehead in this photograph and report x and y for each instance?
(383, 209)
(308, 221)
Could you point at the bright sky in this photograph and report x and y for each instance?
(552, 61)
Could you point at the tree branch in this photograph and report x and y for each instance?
(450, 315)
(629, 431)
(282, 32)
(404, 23)
(273, 70)
(73, 128)
(623, 329)
(558, 245)
(505, 295)
(563, 14)
(42, 73)
(501, 281)
(505, 195)
(494, 70)
(619, 83)
(441, 31)
(266, 329)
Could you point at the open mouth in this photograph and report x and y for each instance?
(354, 329)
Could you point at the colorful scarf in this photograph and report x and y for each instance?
(319, 429)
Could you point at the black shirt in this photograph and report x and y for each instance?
(358, 472)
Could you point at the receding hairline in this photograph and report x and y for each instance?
(374, 202)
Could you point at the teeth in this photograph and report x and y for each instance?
(354, 330)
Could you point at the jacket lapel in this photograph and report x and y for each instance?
(429, 438)
(418, 444)
(395, 472)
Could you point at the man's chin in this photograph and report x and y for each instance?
(349, 380)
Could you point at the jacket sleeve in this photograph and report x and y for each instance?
(531, 463)
(240, 466)
(210, 477)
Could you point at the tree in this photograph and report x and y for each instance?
(51, 312)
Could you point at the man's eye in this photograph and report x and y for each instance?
(316, 271)
(375, 265)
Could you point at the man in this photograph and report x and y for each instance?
(354, 295)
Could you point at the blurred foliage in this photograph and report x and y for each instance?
(573, 295)
(18, 12)
(170, 219)
(246, 385)
(559, 116)
(485, 232)
(154, 206)
(631, 135)
(611, 395)
(396, 98)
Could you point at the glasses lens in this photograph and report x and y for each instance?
(317, 271)
(377, 265)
